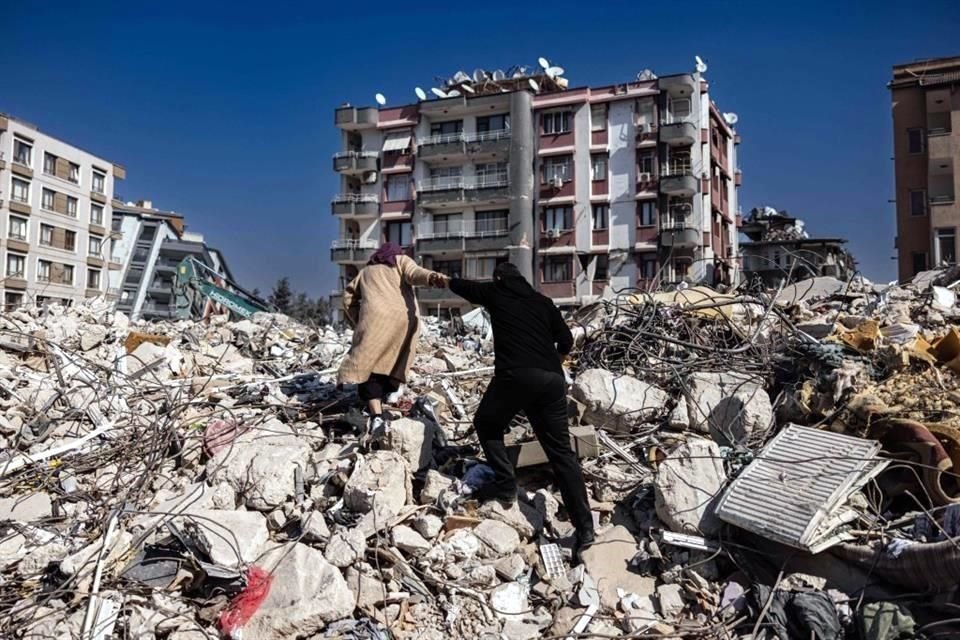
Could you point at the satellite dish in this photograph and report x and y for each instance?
(553, 72)
(381, 99)
(701, 65)
(479, 75)
(646, 75)
(544, 63)
(460, 76)
(533, 84)
(468, 88)
(499, 75)
(731, 118)
(421, 94)
(440, 93)
(453, 93)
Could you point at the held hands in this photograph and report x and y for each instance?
(439, 281)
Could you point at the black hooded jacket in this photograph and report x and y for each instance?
(528, 330)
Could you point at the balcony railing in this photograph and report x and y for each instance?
(461, 229)
(356, 197)
(357, 154)
(351, 243)
(677, 169)
(441, 184)
(482, 181)
(452, 138)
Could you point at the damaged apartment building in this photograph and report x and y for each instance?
(626, 185)
(778, 249)
(55, 207)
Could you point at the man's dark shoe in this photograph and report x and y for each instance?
(491, 492)
(582, 542)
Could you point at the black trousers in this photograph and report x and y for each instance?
(542, 395)
(378, 387)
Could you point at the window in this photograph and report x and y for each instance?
(47, 201)
(602, 267)
(946, 246)
(66, 274)
(647, 213)
(71, 206)
(486, 124)
(598, 117)
(646, 162)
(450, 223)
(648, 268)
(557, 269)
(679, 109)
(556, 122)
(491, 221)
(916, 141)
(74, 173)
(148, 233)
(679, 163)
(400, 233)
(69, 240)
(601, 214)
(919, 262)
(96, 214)
(140, 254)
(491, 174)
(93, 278)
(482, 268)
(451, 268)
(598, 167)
(17, 229)
(918, 203)
(20, 191)
(114, 256)
(12, 300)
(46, 235)
(557, 218)
(16, 265)
(557, 168)
(49, 164)
(116, 223)
(43, 270)
(398, 188)
(94, 245)
(22, 152)
(99, 180)
(449, 128)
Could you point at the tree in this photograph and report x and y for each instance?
(282, 296)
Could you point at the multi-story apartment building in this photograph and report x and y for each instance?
(623, 186)
(152, 244)
(926, 142)
(55, 208)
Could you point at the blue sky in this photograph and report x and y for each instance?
(224, 112)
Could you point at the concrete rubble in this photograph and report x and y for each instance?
(211, 480)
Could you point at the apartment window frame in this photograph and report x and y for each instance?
(916, 140)
(941, 236)
(50, 163)
(600, 216)
(493, 221)
(395, 186)
(12, 300)
(405, 228)
(553, 167)
(680, 115)
(13, 257)
(447, 223)
(73, 206)
(91, 272)
(918, 200)
(65, 269)
(74, 173)
(446, 128)
(48, 204)
(601, 270)
(558, 214)
(649, 266)
(45, 237)
(69, 240)
(96, 214)
(44, 270)
(98, 177)
(558, 122)
(646, 213)
(22, 152)
(484, 123)
(13, 222)
(599, 113)
(19, 185)
(94, 249)
(452, 268)
(599, 167)
(646, 162)
(557, 269)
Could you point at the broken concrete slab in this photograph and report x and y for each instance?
(368, 590)
(381, 477)
(92, 336)
(408, 540)
(526, 520)
(305, 594)
(670, 600)
(315, 527)
(688, 486)
(608, 563)
(30, 508)
(510, 601)
(236, 537)
(434, 485)
(511, 567)
(345, 547)
(729, 406)
(428, 525)
(500, 537)
(616, 402)
(412, 439)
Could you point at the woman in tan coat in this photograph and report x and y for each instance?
(380, 305)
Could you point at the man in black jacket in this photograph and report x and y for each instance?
(530, 341)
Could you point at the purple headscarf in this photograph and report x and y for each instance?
(386, 254)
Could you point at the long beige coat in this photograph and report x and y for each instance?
(382, 308)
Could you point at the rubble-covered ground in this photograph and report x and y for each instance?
(773, 466)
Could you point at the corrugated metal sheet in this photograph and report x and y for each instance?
(940, 78)
(802, 477)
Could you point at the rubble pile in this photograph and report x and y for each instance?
(759, 466)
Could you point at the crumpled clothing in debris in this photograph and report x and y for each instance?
(798, 614)
(886, 621)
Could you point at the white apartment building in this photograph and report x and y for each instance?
(55, 216)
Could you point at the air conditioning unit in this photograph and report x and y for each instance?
(553, 233)
(644, 177)
(556, 182)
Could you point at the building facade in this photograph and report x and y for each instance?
(926, 141)
(624, 186)
(55, 212)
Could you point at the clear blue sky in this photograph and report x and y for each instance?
(224, 112)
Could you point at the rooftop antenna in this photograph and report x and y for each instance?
(440, 93)
(381, 99)
(701, 65)
(544, 63)
(533, 85)
(421, 94)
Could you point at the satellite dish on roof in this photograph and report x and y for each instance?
(468, 88)
(701, 65)
(544, 63)
(440, 93)
(453, 93)
(421, 94)
(646, 75)
(731, 118)
(533, 84)
(499, 75)
(553, 72)
(460, 76)
(381, 99)
(479, 75)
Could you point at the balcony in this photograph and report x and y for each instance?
(679, 86)
(455, 190)
(352, 118)
(939, 145)
(351, 250)
(679, 181)
(457, 235)
(475, 145)
(679, 233)
(355, 162)
(682, 133)
(355, 204)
